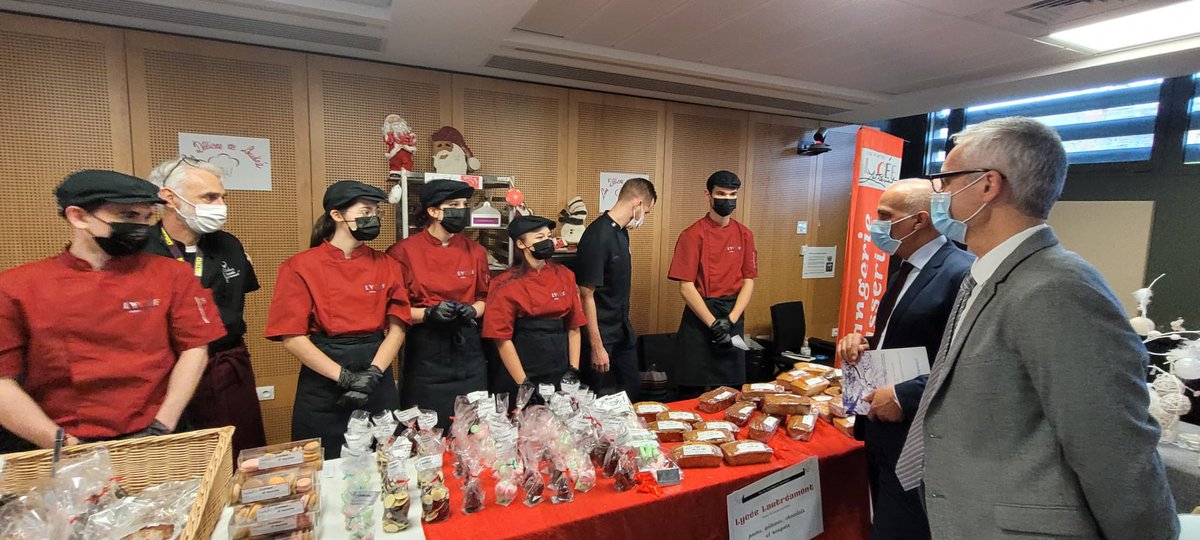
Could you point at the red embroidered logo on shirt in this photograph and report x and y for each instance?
(731, 249)
(558, 295)
(373, 288)
(137, 306)
(464, 274)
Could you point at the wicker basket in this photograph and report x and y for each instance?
(150, 461)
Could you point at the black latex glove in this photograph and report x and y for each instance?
(467, 314)
(722, 331)
(360, 381)
(444, 312)
(155, 429)
(353, 400)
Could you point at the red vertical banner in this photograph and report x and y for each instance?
(876, 166)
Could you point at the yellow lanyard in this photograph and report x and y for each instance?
(199, 264)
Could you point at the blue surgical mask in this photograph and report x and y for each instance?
(881, 234)
(939, 212)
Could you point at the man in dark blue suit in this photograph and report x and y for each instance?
(912, 313)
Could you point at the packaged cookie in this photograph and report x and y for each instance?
(711, 436)
(669, 430)
(815, 369)
(723, 425)
(837, 408)
(717, 399)
(756, 391)
(271, 529)
(801, 426)
(811, 386)
(271, 485)
(648, 410)
(697, 454)
(845, 425)
(763, 427)
(270, 511)
(681, 416)
(788, 377)
(739, 413)
(746, 452)
(306, 452)
(785, 404)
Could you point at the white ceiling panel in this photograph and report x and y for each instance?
(560, 17)
(620, 19)
(695, 18)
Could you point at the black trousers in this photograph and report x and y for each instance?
(898, 514)
(623, 372)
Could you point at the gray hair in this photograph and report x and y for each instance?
(1028, 153)
(916, 194)
(159, 177)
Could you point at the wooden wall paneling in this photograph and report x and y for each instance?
(835, 171)
(517, 129)
(63, 108)
(699, 141)
(348, 100)
(188, 85)
(619, 134)
(781, 193)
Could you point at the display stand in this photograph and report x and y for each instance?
(493, 189)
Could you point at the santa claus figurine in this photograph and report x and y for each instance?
(451, 155)
(401, 144)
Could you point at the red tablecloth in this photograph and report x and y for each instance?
(694, 509)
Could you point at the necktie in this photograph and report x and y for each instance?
(888, 302)
(910, 468)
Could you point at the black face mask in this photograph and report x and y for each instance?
(124, 238)
(454, 220)
(368, 228)
(542, 250)
(724, 207)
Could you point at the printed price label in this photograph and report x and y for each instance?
(408, 415)
(700, 450)
(710, 435)
(679, 415)
(769, 423)
(671, 425)
(752, 446)
(290, 458)
(361, 498)
(546, 390)
(725, 394)
(428, 462)
(266, 492)
(264, 528)
(275, 511)
(814, 381)
(762, 387)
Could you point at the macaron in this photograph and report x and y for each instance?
(248, 466)
(303, 485)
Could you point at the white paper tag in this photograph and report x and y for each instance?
(290, 458)
(711, 435)
(680, 415)
(428, 462)
(427, 420)
(762, 387)
(752, 446)
(671, 425)
(408, 415)
(263, 493)
(264, 528)
(280, 510)
(821, 398)
(769, 423)
(476, 396)
(809, 421)
(721, 425)
(814, 381)
(546, 390)
(725, 394)
(700, 450)
(651, 408)
(361, 498)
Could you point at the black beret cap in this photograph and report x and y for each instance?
(524, 224)
(92, 186)
(439, 191)
(344, 192)
(724, 179)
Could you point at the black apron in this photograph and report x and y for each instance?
(316, 412)
(700, 362)
(544, 350)
(441, 362)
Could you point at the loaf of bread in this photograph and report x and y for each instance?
(746, 452)
(811, 386)
(681, 416)
(717, 399)
(712, 436)
(835, 391)
(763, 427)
(786, 378)
(669, 430)
(722, 425)
(691, 455)
(815, 369)
(756, 391)
(801, 426)
(837, 408)
(834, 376)
(845, 425)
(740, 412)
(648, 410)
(785, 404)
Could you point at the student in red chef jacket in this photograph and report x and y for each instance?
(101, 341)
(534, 312)
(446, 275)
(341, 308)
(715, 263)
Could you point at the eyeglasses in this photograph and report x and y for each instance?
(941, 180)
(192, 162)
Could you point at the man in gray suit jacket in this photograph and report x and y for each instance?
(1034, 419)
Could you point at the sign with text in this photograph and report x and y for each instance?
(785, 505)
(245, 161)
(876, 166)
(610, 187)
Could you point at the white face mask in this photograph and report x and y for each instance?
(204, 218)
(637, 221)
